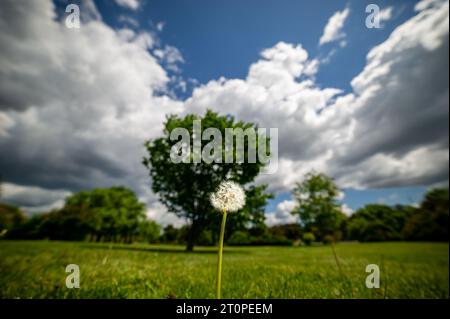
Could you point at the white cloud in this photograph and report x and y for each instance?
(282, 215)
(76, 105)
(158, 212)
(127, 20)
(88, 11)
(170, 56)
(391, 131)
(385, 15)
(160, 26)
(401, 107)
(347, 210)
(333, 29)
(34, 199)
(130, 4)
(6, 123)
(340, 196)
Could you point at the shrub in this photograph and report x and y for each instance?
(243, 238)
(308, 238)
(328, 239)
(430, 222)
(239, 238)
(205, 238)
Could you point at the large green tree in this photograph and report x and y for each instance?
(184, 188)
(318, 206)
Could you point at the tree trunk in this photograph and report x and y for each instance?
(190, 245)
(192, 236)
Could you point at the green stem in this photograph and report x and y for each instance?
(219, 260)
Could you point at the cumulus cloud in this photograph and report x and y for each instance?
(170, 57)
(401, 106)
(386, 14)
(130, 4)
(76, 105)
(160, 26)
(6, 123)
(33, 199)
(127, 20)
(282, 215)
(157, 211)
(333, 29)
(392, 130)
(347, 210)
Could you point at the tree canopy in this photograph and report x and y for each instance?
(111, 212)
(184, 188)
(377, 222)
(317, 205)
(106, 214)
(431, 220)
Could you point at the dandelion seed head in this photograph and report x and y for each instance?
(229, 197)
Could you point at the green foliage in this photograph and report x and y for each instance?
(290, 231)
(149, 231)
(271, 240)
(170, 235)
(112, 213)
(244, 238)
(252, 214)
(10, 218)
(206, 238)
(309, 238)
(109, 214)
(317, 205)
(239, 238)
(378, 222)
(328, 239)
(430, 221)
(184, 188)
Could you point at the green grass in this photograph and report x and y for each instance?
(36, 269)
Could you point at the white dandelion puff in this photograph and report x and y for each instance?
(229, 197)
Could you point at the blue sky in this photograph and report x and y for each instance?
(374, 120)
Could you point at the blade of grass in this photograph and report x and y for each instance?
(341, 273)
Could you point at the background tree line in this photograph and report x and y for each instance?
(116, 215)
(109, 214)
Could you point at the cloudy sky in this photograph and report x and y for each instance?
(368, 106)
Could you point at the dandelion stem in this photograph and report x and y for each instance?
(219, 259)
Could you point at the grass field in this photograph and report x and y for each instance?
(36, 269)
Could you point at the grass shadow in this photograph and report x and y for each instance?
(165, 250)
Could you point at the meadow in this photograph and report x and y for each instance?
(36, 269)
